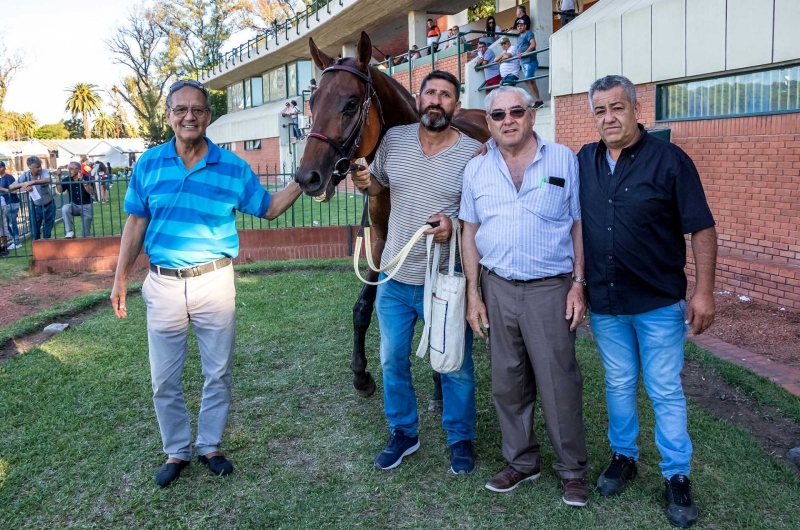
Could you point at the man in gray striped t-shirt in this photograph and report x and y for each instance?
(422, 165)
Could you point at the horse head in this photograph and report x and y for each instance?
(347, 120)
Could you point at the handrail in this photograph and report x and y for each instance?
(528, 54)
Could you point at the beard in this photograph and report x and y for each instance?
(435, 123)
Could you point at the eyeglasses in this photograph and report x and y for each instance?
(182, 111)
(515, 112)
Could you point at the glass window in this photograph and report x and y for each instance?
(252, 145)
(236, 97)
(248, 101)
(277, 83)
(265, 85)
(303, 75)
(765, 92)
(258, 91)
(291, 78)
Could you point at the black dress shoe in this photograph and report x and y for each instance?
(219, 465)
(167, 473)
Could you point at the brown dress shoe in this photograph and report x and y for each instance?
(509, 478)
(575, 492)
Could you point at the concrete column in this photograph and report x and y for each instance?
(348, 50)
(541, 13)
(459, 19)
(417, 28)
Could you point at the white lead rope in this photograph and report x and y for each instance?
(396, 263)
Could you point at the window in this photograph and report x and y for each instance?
(236, 97)
(252, 145)
(258, 91)
(248, 101)
(227, 147)
(303, 75)
(766, 92)
(277, 83)
(291, 78)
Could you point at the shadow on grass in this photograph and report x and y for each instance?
(80, 441)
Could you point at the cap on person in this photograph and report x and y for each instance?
(504, 40)
(2, 164)
(519, 21)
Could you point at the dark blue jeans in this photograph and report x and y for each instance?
(43, 215)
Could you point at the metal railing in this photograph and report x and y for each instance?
(109, 218)
(263, 37)
(484, 86)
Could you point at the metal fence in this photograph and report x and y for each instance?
(109, 216)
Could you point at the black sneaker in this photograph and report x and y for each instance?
(538, 104)
(462, 458)
(681, 509)
(620, 471)
(168, 473)
(398, 447)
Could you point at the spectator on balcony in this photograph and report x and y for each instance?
(526, 43)
(491, 30)
(523, 14)
(293, 112)
(312, 86)
(415, 52)
(434, 34)
(11, 209)
(492, 70)
(80, 192)
(42, 210)
(569, 9)
(509, 62)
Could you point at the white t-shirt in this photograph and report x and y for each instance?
(510, 66)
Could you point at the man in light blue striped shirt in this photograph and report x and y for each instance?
(521, 213)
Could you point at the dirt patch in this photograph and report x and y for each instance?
(22, 344)
(762, 329)
(775, 433)
(30, 294)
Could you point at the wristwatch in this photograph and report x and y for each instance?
(579, 279)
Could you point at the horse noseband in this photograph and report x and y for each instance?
(347, 149)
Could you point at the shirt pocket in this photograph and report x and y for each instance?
(548, 202)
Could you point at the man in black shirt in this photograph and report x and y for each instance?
(80, 201)
(639, 196)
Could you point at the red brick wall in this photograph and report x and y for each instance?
(101, 253)
(448, 64)
(750, 169)
(269, 156)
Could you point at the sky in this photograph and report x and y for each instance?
(63, 44)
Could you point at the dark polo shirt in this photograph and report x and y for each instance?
(77, 193)
(634, 222)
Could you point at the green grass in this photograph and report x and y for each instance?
(756, 387)
(80, 442)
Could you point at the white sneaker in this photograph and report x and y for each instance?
(69, 235)
(12, 246)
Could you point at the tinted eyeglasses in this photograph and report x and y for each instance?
(181, 111)
(516, 113)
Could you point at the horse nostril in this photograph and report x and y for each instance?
(314, 179)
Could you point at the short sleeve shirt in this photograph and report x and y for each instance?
(523, 43)
(492, 69)
(634, 221)
(510, 66)
(192, 212)
(6, 181)
(419, 186)
(76, 191)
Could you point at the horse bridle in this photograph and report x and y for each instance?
(347, 149)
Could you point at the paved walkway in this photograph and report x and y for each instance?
(786, 376)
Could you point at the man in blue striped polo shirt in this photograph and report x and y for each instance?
(522, 223)
(182, 201)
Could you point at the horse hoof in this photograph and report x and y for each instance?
(369, 389)
(435, 406)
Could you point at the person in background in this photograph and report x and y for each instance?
(415, 52)
(36, 181)
(10, 208)
(80, 190)
(522, 13)
(448, 43)
(509, 62)
(434, 34)
(569, 9)
(526, 42)
(100, 176)
(86, 167)
(491, 30)
(312, 86)
(110, 174)
(492, 71)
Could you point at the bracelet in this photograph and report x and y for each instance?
(579, 279)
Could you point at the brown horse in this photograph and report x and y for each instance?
(353, 108)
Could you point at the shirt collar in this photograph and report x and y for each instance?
(491, 145)
(212, 156)
(633, 149)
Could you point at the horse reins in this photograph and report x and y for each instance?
(347, 148)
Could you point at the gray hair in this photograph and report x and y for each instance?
(76, 164)
(33, 160)
(608, 82)
(527, 99)
(206, 96)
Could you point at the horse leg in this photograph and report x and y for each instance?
(362, 317)
(436, 404)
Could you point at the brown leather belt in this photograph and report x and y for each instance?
(191, 272)
(534, 280)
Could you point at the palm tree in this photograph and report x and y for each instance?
(84, 100)
(104, 125)
(27, 125)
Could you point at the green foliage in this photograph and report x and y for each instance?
(53, 131)
(219, 103)
(84, 100)
(482, 9)
(105, 125)
(75, 127)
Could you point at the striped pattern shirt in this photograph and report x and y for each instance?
(192, 212)
(419, 186)
(523, 235)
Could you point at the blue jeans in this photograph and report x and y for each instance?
(43, 215)
(510, 79)
(652, 341)
(297, 133)
(529, 69)
(11, 217)
(398, 306)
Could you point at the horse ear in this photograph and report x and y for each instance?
(364, 50)
(320, 59)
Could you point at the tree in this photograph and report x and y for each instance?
(74, 127)
(482, 9)
(260, 14)
(104, 125)
(196, 30)
(22, 125)
(139, 43)
(52, 131)
(10, 63)
(84, 100)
